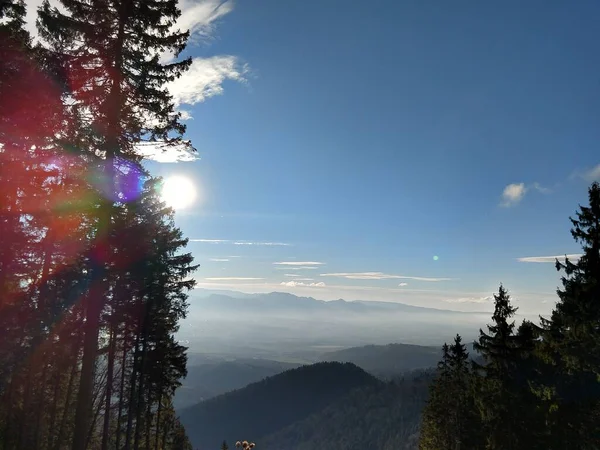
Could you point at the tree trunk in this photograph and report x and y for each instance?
(54, 408)
(109, 385)
(40, 405)
(121, 391)
(67, 408)
(90, 349)
(132, 396)
(158, 411)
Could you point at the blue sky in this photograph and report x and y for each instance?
(370, 137)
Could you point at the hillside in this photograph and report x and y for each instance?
(384, 417)
(270, 405)
(212, 379)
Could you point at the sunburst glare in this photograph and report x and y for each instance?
(178, 192)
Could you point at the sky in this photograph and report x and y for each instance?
(418, 152)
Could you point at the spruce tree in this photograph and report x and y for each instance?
(571, 339)
(110, 53)
(504, 379)
(449, 420)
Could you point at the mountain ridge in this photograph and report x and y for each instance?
(278, 298)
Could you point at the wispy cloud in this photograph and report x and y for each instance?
(538, 187)
(380, 276)
(513, 194)
(233, 279)
(199, 16)
(295, 283)
(266, 244)
(592, 174)
(297, 268)
(233, 242)
(211, 241)
(403, 284)
(298, 263)
(292, 275)
(219, 259)
(549, 259)
(469, 299)
(205, 79)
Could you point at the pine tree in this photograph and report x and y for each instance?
(224, 446)
(110, 52)
(504, 379)
(449, 422)
(571, 339)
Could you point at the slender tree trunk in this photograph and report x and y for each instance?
(140, 406)
(121, 391)
(158, 411)
(148, 424)
(90, 348)
(23, 426)
(8, 414)
(40, 405)
(109, 385)
(67, 408)
(132, 394)
(53, 409)
(97, 400)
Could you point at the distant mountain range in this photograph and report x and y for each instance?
(285, 327)
(388, 360)
(283, 301)
(264, 408)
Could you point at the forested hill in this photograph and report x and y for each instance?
(382, 417)
(208, 380)
(270, 405)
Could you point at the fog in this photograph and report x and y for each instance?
(299, 328)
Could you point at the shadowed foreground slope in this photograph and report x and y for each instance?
(272, 404)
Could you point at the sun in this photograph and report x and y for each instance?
(178, 192)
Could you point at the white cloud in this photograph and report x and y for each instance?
(403, 284)
(205, 79)
(295, 283)
(163, 153)
(470, 299)
(211, 241)
(267, 244)
(538, 187)
(229, 241)
(549, 259)
(298, 263)
(513, 194)
(199, 16)
(380, 276)
(294, 275)
(296, 268)
(592, 174)
(233, 279)
(219, 259)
